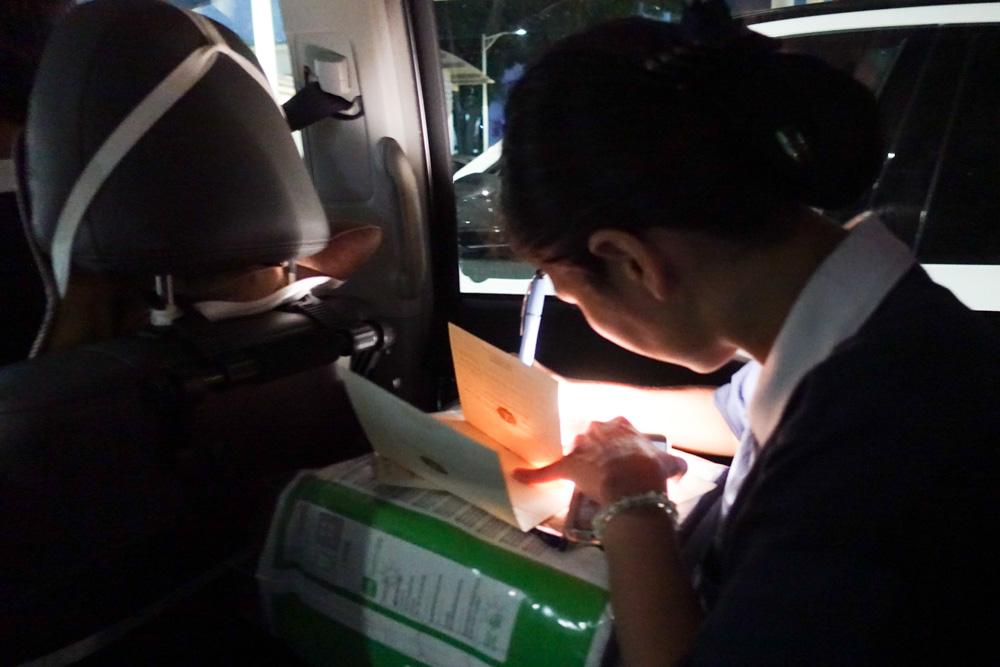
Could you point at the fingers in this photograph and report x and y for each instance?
(616, 425)
(598, 433)
(609, 459)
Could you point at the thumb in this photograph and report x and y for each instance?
(672, 466)
(547, 473)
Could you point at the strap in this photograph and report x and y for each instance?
(312, 104)
(139, 121)
(215, 311)
(320, 311)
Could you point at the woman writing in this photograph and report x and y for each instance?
(667, 179)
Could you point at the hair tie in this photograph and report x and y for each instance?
(793, 144)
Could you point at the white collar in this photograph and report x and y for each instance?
(838, 299)
(7, 181)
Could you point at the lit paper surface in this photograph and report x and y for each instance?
(514, 404)
(455, 457)
(532, 503)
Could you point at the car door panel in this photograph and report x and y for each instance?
(373, 170)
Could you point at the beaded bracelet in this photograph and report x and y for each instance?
(648, 499)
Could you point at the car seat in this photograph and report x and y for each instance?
(137, 469)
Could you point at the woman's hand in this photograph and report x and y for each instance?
(610, 460)
(657, 614)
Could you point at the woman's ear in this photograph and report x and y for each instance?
(633, 260)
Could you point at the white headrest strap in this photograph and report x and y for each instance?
(160, 100)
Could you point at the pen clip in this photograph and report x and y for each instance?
(532, 286)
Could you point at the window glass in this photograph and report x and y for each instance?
(960, 219)
(933, 70)
(258, 23)
(939, 97)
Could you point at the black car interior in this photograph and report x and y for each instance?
(139, 470)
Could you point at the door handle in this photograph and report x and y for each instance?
(411, 275)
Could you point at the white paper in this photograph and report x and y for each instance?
(514, 404)
(476, 470)
(532, 503)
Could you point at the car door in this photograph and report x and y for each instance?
(374, 169)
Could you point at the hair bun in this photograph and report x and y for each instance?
(813, 125)
(708, 23)
(816, 127)
(639, 124)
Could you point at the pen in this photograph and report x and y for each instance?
(531, 318)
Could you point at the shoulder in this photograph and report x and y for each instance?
(922, 366)
(911, 400)
(865, 527)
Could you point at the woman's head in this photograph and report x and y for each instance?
(702, 126)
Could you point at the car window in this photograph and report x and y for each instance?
(258, 23)
(938, 106)
(931, 67)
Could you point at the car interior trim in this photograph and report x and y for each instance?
(987, 12)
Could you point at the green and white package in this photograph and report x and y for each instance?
(358, 573)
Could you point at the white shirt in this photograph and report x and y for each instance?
(7, 182)
(838, 299)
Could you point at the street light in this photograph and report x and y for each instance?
(486, 42)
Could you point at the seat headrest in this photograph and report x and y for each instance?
(213, 184)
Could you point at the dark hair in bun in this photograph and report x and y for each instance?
(701, 125)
